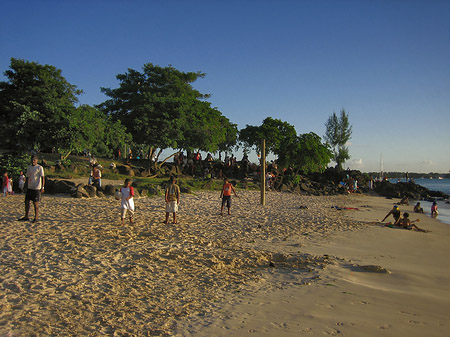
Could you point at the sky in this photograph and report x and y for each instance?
(387, 63)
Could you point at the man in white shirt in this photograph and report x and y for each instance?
(35, 180)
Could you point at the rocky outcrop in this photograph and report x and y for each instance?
(409, 189)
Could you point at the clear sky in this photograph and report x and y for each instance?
(386, 62)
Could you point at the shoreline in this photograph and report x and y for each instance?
(79, 272)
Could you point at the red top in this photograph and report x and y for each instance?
(227, 189)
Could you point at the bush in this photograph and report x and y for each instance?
(13, 163)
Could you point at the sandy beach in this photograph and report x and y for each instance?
(297, 266)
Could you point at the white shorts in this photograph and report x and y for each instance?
(124, 211)
(171, 207)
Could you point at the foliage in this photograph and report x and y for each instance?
(13, 163)
(274, 131)
(35, 102)
(162, 110)
(338, 133)
(305, 153)
(38, 105)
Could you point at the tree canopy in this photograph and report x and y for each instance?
(338, 133)
(38, 105)
(161, 109)
(304, 153)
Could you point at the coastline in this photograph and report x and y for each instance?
(275, 270)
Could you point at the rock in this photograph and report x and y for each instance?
(185, 190)
(80, 192)
(91, 190)
(100, 194)
(109, 190)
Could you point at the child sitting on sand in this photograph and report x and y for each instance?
(417, 208)
(406, 223)
(127, 203)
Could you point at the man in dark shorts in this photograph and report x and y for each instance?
(35, 181)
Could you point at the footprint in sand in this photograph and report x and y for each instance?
(384, 327)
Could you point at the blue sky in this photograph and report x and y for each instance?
(386, 62)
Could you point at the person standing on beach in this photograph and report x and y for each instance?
(172, 197)
(22, 180)
(6, 184)
(225, 195)
(127, 203)
(35, 181)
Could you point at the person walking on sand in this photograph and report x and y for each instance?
(395, 211)
(127, 202)
(35, 181)
(172, 197)
(225, 195)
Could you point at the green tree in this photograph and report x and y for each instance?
(338, 133)
(89, 128)
(274, 131)
(35, 103)
(305, 153)
(162, 110)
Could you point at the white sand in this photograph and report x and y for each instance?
(260, 272)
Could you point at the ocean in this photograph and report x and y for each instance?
(442, 185)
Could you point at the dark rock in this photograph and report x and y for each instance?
(80, 192)
(185, 190)
(100, 194)
(109, 190)
(91, 190)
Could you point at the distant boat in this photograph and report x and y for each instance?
(440, 178)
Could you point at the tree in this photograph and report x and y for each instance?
(338, 133)
(274, 131)
(304, 153)
(162, 110)
(35, 103)
(89, 128)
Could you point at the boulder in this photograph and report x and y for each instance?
(91, 190)
(80, 192)
(109, 190)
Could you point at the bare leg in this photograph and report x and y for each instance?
(27, 208)
(174, 217)
(36, 211)
(167, 218)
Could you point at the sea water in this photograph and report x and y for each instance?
(442, 185)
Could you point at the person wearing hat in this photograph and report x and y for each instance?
(35, 181)
(395, 211)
